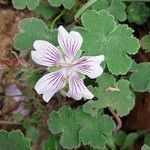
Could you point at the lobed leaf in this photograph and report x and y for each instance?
(138, 12)
(45, 10)
(124, 140)
(115, 7)
(94, 131)
(30, 4)
(140, 78)
(130, 140)
(120, 138)
(102, 35)
(77, 126)
(147, 139)
(63, 121)
(30, 30)
(145, 43)
(14, 140)
(111, 93)
(68, 4)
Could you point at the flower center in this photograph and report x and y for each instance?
(66, 65)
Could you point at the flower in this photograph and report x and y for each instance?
(13, 91)
(68, 66)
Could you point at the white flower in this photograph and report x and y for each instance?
(68, 66)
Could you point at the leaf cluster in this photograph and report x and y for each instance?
(33, 4)
(30, 4)
(110, 93)
(14, 140)
(102, 35)
(28, 33)
(115, 7)
(77, 126)
(115, 89)
(125, 141)
(138, 12)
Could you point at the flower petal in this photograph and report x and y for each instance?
(49, 84)
(90, 66)
(69, 42)
(46, 54)
(15, 92)
(77, 89)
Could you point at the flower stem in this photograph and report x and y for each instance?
(118, 119)
(4, 96)
(83, 8)
(55, 20)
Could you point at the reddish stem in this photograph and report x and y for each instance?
(118, 119)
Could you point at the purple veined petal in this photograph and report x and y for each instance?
(90, 66)
(45, 53)
(77, 89)
(69, 42)
(49, 84)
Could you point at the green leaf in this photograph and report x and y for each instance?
(36, 116)
(32, 78)
(111, 93)
(125, 141)
(45, 10)
(51, 143)
(32, 133)
(140, 78)
(120, 138)
(68, 4)
(30, 30)
(63, 121)
(129, 141)
(145, 43)
(18, 117)
(138, 12)
(14, 140)
(147, 139)
(145, 147)
(94, 131)
(110, 144)
(22, 4)
(102, 35)
(114, 7)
